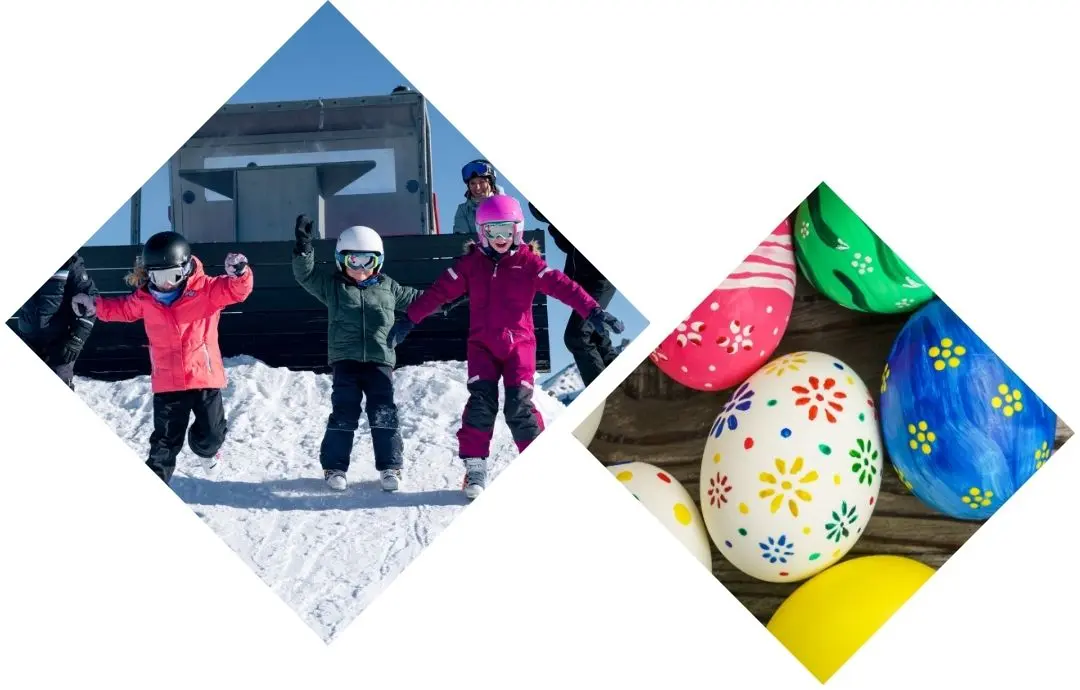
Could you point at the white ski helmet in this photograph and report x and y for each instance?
(359, 238)
(356, 240)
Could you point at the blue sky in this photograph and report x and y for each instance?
(298, 71)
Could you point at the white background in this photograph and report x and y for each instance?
(949, 127)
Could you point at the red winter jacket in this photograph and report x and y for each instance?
(184, 352)
(501, 294)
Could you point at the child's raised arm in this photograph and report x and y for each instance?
(554, 283)
(233, 287)
(317, 283)
(446, 288)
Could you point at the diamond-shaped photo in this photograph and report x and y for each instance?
(328, 323)
(823, 432)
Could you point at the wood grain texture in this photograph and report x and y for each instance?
(651, 418)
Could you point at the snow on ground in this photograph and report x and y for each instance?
(328, 555)
(565, 385)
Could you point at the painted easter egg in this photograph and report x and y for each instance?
(829, 617)
(587, 430)
(962, 430)
(792, 468)
(848, 263)
(670, 502)
(739, 325)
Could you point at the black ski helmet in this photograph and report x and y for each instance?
(166, 250)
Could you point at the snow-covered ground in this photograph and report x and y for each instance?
(328, 555)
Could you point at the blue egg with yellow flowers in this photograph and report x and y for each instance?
(962, 430)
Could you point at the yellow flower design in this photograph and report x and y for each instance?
(947, 354)
(1042, 454)
(1008, 403)
(786, 363)
(976, 498)
(780, 487)
(921, 437)
(885, 379)
(903, 479)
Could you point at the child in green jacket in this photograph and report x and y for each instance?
(361, 303)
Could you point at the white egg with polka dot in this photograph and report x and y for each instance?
(668, 501)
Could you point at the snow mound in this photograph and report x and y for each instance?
(328, 555)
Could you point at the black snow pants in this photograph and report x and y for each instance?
(591, 349)
(172, 413)
(352, 381)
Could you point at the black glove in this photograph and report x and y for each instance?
(398, 332)
(304, 231)
(71, 349)
(600, 320)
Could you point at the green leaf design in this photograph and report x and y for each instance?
(818, 224)
(857, 298)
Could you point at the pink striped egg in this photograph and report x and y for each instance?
(735, 330)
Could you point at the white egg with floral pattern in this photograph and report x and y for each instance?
(792, 468)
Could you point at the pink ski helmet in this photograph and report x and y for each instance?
(500, 208)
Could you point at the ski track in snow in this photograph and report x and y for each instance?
(327, 554)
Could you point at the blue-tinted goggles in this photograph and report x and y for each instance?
(368, 261)
(476, 169)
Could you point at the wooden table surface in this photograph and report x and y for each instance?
(652, 419)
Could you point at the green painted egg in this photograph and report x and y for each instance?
(848, 263)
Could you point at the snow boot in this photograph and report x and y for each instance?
(390, 480)
(475, 480)
(335, 479)
(210, 464)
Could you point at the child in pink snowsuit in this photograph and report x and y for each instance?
(501, 277)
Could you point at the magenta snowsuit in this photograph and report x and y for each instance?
(502, 341)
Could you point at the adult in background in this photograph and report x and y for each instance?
(48, 323)
(480, 183)
(591, 349)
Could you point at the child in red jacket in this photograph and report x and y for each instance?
(180, 307)
(501, 278)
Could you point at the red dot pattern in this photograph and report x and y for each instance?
(748, 443)
(663, 477)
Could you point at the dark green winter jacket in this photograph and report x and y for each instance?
(359, 318)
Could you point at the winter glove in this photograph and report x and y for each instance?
(71, 350)
(600, 320)
(235, 264)
(305, 230)
(398, 332)
(83, 304)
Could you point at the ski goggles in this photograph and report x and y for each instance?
(499, 231)
(167, 277)
(357, 261)
(477, 169)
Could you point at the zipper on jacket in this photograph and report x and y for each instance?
(206, 351)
